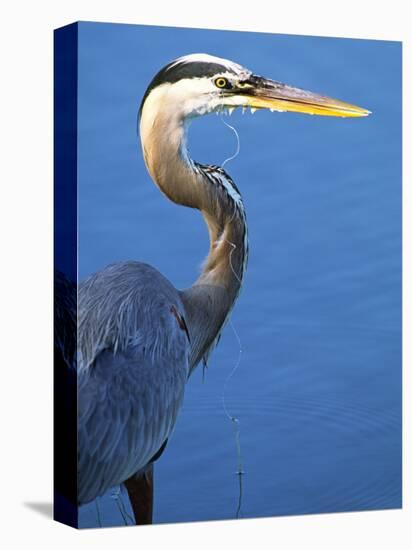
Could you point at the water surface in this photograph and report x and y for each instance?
(318, 388)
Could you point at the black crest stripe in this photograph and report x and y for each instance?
(173, 72)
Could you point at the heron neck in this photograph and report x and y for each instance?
(210, 299)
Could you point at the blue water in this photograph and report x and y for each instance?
(318, 389)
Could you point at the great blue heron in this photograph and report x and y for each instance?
(139, 337)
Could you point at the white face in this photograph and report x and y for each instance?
(192, 97)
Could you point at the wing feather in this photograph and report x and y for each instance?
(131, 380)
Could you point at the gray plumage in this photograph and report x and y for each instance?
(133, 369)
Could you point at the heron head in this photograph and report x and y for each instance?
(199, 84)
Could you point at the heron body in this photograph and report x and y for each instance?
(141, 346)
(139, 338)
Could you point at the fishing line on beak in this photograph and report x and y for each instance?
(233, 419)
(237, 138)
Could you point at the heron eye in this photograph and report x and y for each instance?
(221, 82)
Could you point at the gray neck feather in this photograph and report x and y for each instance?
(209, 300)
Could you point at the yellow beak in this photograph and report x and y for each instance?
(268, 94)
